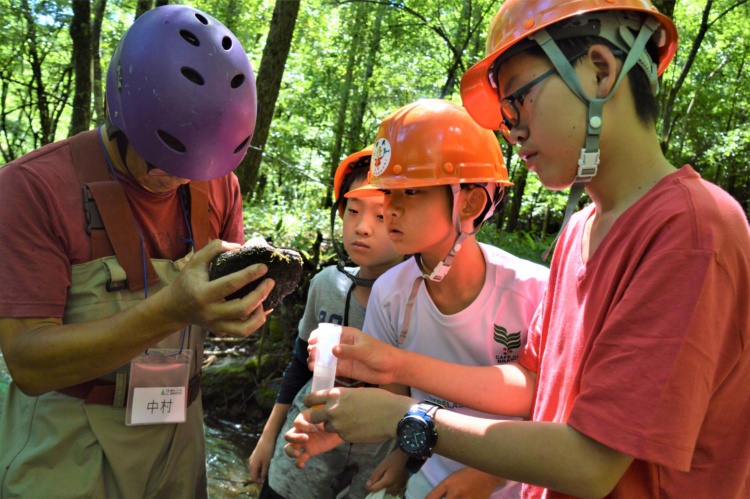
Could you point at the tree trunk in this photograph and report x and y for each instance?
(345, 91)
(666, 7)
(268, 83)
(356, 140)
(49, 103)
(668, 123)
(80, 33)
(143, 6)
(518, 188)
(100, 6)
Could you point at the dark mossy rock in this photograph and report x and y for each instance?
(284, 267)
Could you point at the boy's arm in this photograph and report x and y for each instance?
(502, 389)
(390, 474)
(260, 459)
(466, 482)
(551, 455)
(306, 439)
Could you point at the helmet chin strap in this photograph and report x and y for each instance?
(442, 268)
(342, 260)
(588, 161)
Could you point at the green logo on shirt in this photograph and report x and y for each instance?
(509, 341)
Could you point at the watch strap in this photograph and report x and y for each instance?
(414, 464)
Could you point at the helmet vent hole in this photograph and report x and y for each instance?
(189, 37)
(201, 18)
(226, 43)
(237, 81)
(242, 144)
(192, 75)
(171, 141)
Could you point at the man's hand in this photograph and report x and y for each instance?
(358, 415)
(43, 354)
(193, 299)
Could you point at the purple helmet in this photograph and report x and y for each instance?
(181, 89)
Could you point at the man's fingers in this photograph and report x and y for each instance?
(228, 284)
(213, 249)
(242, 309)
(314, 399)
(243, 327)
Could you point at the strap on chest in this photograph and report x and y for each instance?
(109, 219)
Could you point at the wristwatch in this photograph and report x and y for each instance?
(416, 434)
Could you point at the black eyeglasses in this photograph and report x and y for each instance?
(509, 110)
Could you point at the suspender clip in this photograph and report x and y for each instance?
(93, 219)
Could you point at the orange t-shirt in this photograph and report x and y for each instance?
(646, 346)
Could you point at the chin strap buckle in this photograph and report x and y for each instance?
(588, 164)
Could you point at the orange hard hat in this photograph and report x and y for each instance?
(517, 19)
(344, 169)
(432, 142)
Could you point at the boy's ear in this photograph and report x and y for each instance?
(474, 201)
(606, 66)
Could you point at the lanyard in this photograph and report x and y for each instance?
(140, 234)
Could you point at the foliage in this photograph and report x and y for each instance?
(711, 115)
(286, 220)
(416, 48)
(519, 243)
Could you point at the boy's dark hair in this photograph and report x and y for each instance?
(359, 170)
(646, 104)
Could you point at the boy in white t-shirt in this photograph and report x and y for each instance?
(457, 300)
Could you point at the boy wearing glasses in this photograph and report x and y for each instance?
(636, 374)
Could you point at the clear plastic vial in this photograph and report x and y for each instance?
(324, 373)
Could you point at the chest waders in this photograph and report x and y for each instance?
(74, 442)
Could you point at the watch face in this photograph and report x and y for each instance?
(413, 436)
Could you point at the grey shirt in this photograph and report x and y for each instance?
(326, 302)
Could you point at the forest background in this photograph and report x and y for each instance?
(327, 73)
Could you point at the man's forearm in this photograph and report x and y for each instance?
(45, 355)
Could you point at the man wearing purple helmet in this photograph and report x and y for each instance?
(106, 298)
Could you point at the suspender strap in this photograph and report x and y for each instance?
(95, 227)
(409, 308)
(104, 200)
(102, 392)
(115, 212)
(199, 213)
(87, 160)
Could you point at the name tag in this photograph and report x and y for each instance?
(158, 388)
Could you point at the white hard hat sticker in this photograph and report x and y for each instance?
(381, 157)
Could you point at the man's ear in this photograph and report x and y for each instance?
(607, 68)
